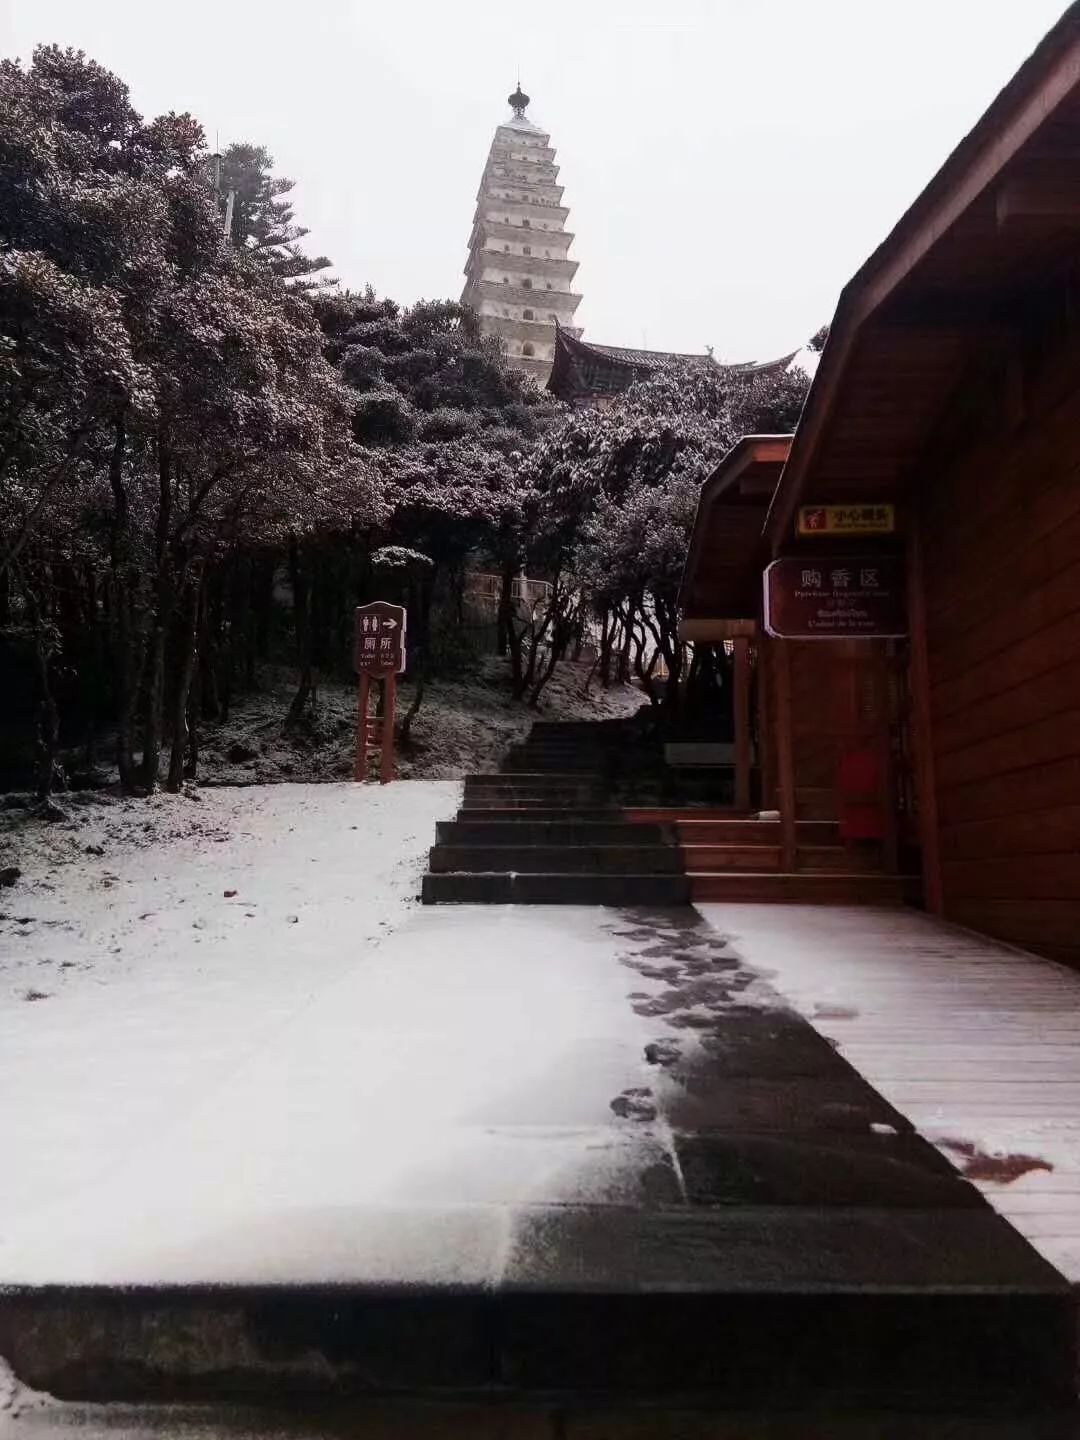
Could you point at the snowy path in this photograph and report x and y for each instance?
(977, 1043)
(376, 1126)
(133, 986)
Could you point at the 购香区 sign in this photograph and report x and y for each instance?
(834, 597)
(379, 642)
(846, 520)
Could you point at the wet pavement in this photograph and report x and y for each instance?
(539, 1149)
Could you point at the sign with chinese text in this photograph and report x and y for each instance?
(846, 520)
(834, 597)
(379, 644)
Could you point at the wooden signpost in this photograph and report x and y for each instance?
(378, 654)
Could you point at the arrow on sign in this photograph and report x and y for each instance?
(389, 624)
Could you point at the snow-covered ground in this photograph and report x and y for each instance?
(376, 1126)
(236, 1051)
(151, 948)
(465, 724)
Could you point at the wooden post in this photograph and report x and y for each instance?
(741, 702)
(883, 744)
(785, 757)
(766, 732)
(360, 770)
(922, 729)
(388, 770)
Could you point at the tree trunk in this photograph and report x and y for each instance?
(563, 626)
(551, 614)
(213, 624)
(96, 654)
(188, 632)
(47, 736)
(153, 699)
(301, 589)
(418, 654)
(154, 676)
(125, 667)
(263, 609)
(48, 726)
(627, 639)
(607, 628)
(505, 618)
(414, 706)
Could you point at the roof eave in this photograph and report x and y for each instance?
(1045, 80)
(748, 450)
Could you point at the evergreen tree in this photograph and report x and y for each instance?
(263, 217)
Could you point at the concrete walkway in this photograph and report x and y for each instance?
(537, 1149)
(977, 1043)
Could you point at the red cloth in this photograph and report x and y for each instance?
(862, 808)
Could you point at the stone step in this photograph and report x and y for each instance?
(799, 888)
(547, 785)
(536, 812)
(553, 795)
(743, 1307)
(555, 804)
(521, 830)
(539, 764)
(553, 859)
(557, 888)
(532, 780)
(666, 814)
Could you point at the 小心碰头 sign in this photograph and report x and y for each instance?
(846, 520)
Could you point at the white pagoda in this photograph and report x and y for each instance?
(518, 275)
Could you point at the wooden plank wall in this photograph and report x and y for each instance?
(832, 684)
(1001, 545)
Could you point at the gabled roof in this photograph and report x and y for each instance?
(722, 576)
(999, 215)
(582, 367)
(651, 359)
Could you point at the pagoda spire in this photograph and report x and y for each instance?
(518, 274)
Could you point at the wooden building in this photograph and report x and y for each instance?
(949, 390)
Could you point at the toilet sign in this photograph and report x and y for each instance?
(379, 643)
(378, 655)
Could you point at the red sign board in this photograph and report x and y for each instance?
(835, 597)
(379, 644)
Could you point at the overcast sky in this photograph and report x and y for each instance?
(727, 163)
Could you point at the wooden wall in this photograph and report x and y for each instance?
(832, 709)
(1000, 536)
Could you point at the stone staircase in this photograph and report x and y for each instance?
(561, 822)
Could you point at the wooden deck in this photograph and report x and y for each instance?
(976, 1042)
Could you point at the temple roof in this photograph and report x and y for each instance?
(583, 370)
(650, 358)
